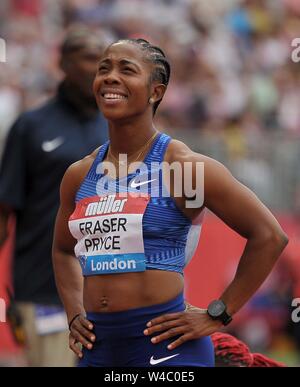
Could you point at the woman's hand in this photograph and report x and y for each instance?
(80, 332)
(191, 324)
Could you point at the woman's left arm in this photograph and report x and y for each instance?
(242, 211)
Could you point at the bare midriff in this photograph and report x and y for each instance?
(120, 292)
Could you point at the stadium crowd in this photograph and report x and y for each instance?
(231, 60)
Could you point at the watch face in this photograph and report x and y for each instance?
(216, 308)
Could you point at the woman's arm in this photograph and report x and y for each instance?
(241, 210)
(68, 275)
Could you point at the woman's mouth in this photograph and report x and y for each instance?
(113, 97)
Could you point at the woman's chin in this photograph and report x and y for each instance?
(114, 114)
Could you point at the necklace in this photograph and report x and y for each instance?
(140, 151)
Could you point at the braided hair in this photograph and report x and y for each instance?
(155, 55)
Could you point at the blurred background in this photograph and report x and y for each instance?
(234, 95)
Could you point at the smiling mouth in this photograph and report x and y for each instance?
(114, 97)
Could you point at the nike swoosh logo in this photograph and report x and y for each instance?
(157, 361)
(50, 146)
(134, 184)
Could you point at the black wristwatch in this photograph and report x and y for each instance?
(217, 311)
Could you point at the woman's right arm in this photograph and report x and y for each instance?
(68, 275)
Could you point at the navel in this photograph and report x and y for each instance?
(103, 302)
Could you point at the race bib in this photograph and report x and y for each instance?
(109, 233)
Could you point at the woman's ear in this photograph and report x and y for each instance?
(158, 92)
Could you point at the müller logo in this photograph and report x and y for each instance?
(2, 50)
(105, 205)
(2, 311)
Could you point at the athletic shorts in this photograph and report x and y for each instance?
(120, 341)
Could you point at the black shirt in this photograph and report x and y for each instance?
(39, 148)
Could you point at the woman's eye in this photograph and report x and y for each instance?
(128, 69)
(102, 68)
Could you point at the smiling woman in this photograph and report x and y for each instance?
(127, 297)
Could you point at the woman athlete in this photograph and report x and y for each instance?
(123, 295)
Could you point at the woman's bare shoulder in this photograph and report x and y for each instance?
(179, 151)
(77, 171)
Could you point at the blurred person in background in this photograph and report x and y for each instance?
(40, 146)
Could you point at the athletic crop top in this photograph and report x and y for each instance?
(118, 233)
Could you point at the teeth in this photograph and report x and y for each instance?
(114, 96)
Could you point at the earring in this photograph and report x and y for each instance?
(151, 101)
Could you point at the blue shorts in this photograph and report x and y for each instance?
(120, 341)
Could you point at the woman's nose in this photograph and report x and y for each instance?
(111, 78)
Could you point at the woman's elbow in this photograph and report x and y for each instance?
(285, 239)
(277, 238)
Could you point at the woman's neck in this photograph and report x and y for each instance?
(128, 137)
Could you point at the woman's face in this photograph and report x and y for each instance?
(121, 86)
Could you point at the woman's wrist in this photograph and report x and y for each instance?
(73, 319)
(72, 314)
